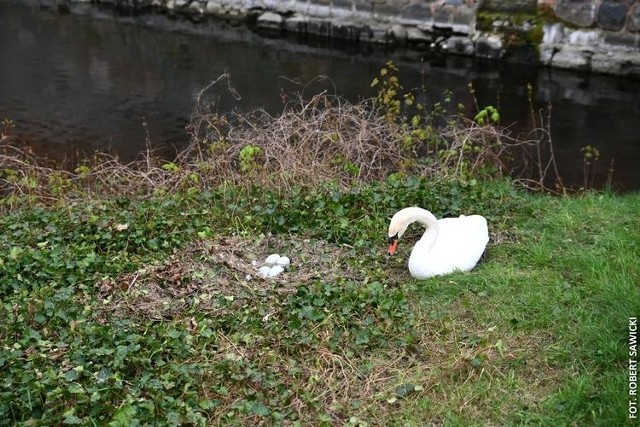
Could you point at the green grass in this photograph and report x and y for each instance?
(155, 322)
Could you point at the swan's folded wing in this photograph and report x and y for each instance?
(461, 241)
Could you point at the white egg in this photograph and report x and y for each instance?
(272, 259)
(283, 261)
(274, 271)
(264, 271)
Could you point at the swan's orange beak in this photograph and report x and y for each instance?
(393, 245)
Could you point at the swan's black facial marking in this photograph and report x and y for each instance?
(393, 244)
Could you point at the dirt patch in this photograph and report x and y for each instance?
(226, 267)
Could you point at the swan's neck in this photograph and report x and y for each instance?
(407, 216)
(426, 218)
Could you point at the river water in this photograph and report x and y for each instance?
(87, 80)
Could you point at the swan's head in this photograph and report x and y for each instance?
(405, 217)
(397, 227)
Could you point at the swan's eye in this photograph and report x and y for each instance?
(393, 238)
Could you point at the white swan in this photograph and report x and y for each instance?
(447, 245)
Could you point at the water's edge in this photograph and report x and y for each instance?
(78, 82)
(597, 36)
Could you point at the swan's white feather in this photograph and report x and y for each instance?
(448, 244)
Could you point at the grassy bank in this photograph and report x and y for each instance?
(139, 311)
(129, 293)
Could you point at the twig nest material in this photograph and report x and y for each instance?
(275, 264)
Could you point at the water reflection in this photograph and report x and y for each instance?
(74, 82)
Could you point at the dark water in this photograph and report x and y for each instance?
(88, 80)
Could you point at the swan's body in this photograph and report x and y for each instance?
(447, 245)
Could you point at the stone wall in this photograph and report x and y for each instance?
(594, 35)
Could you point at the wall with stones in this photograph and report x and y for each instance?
(594, 35)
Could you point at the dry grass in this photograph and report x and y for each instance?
(458, 360)
(225, 267)
(325, 139)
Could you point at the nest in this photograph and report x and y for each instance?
(198, 277)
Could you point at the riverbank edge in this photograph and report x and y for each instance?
(464, 296)
(520, 34)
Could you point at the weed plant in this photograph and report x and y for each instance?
(128, 293)
(321, 142)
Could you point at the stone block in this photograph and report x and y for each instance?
(373, 34)
(417, 36)
(489, 46)
(465, 17)
(214, 8)
(546, 54)
(587, 38)
(127, 5)
(319, 27)
(553, 33)
(270, 21)
(363, 6)
(572, 57)
(611, 16)
(296, 24)
(633, 19)
(196, 7)
(342, 4)
(459, 45)
(614, 61)
(512, 6)
(349, 33)
(387, 8)
(622, 39)
(577, 12)
(398, 33)
(416, 12)
(443, 15)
